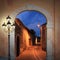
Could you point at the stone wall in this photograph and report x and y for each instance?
(19, 32)
(44, 37)
(22, 32)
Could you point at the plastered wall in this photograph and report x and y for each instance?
(13, 7)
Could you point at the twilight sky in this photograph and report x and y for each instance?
(31, 19)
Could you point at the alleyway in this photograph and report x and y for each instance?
(33, 53)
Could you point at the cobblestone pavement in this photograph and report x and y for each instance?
(33, 53)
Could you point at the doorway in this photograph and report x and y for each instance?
(17, 46)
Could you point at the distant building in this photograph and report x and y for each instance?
(24, 37)
(44, 36)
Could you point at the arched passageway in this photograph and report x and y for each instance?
(33, 25)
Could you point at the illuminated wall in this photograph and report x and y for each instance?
(26, 37)
(22, 32)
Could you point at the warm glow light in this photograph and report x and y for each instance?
(38, 25)
(26, 37)
(36, 40)
(5, 28)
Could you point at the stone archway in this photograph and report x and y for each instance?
(50, 26)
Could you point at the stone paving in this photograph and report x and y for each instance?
(33, 53)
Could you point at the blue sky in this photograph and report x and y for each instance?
(31, 19)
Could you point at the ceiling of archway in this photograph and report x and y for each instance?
(31, 19)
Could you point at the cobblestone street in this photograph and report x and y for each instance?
(33, 53)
